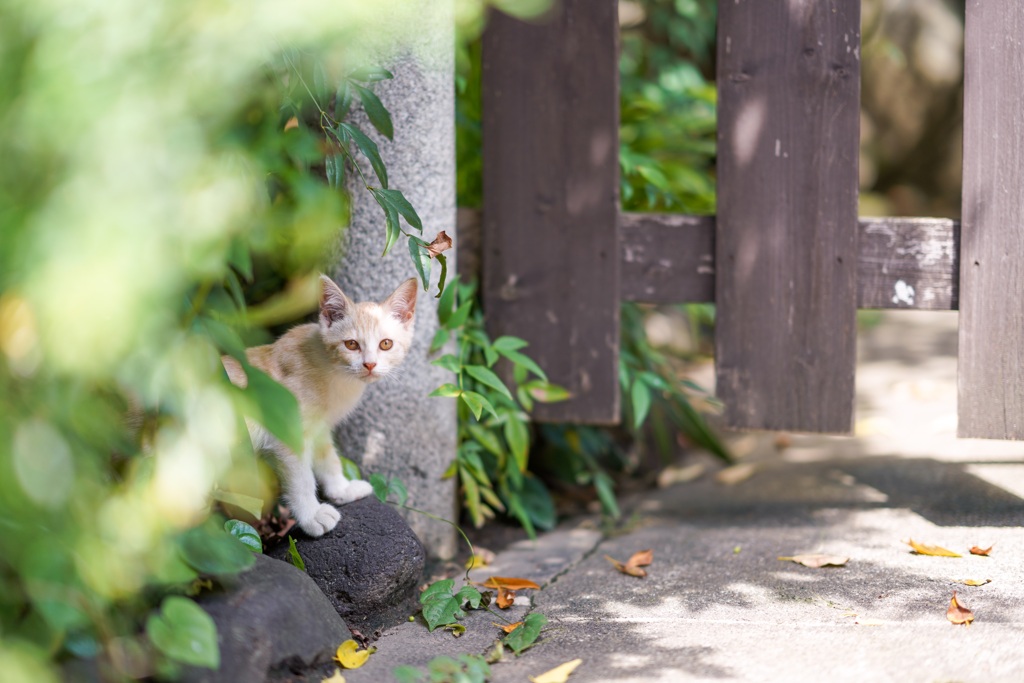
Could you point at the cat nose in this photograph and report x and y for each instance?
(369, 366)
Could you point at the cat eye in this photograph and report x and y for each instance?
(386, 344)
(351, 345)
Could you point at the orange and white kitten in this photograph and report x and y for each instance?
(327, 365)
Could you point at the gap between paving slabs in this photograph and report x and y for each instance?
(543, 561)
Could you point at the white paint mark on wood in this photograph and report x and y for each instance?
(904, 293)
(778, 147)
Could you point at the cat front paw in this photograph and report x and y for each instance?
(323, 519)
(352, 490)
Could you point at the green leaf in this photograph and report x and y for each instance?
(518, 438)
(526, 634)
(458, 319)
(380, 487)
(274, 407)
(407, 674)
(343, 102)
(477, 403)
(440, 339)
(487, 439)
(521, 360)
(224, 338)
(396, 487)
(392, 230)
(375, 111)
(640, 396)
(184, 632)
(446, 303)
(293, 554)
(397, 200)
(488, 378)
(244, 533)
(420, 259)
(603, 485)
(334, 167)
(443, 260)
(252, 505)
(211, 550)
(370, 74)
(447, 391)
(545, 392)
(240, 257)
(507, 343)
(367, 146)
(350, 469)
(537, 503)
(471, 595)
(449, 362)
(440, 607)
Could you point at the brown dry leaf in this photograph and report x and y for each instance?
(508, 628)
(506, 598)
(976, 550)
(512, 583)
(441, 244)
(632, 566)
(974, 582)
(731, 476)
(934, 550)
(817, 560)
(291, 123)
(958, 614)
(560, 674)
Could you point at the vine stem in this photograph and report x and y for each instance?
(472, 551)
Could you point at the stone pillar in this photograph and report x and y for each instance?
(397, 430)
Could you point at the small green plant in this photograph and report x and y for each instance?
(464, 669)
(494, 425)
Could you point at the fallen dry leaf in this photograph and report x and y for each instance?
(731, 476)
(934, 550)
(506, 598)
(974, 582)
(441, 243)
(680, 475)
(976, 550)
(350, 656)
(560, 674)
(508, 628)
(958, 614)
(632, 566)
(512, 583)
(817, 560)
(336, 678)
(481, 557)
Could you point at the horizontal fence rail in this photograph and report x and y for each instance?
(902, 262)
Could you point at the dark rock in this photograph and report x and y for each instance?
(368, 565)
(271, 619)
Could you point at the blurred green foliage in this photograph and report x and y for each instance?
(162, 166)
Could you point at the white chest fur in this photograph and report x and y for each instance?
(342, 395)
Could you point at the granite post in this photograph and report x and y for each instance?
(397, 430)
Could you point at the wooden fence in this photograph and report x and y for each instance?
(787, 261)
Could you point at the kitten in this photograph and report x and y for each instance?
(327, 365)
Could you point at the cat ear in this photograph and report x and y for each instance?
(402, 302)
(334, 305)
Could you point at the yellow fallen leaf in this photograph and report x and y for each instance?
(508, 628)
(336, 678)
(350, 656)
(958, 614)
(817, 560)
(560, 674)
(974, 582)
(978, 550)
(731, 476)
(934, 550)
(511, 583)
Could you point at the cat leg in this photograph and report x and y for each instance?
(335, 487)
(298, 488)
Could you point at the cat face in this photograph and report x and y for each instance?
(368, 340)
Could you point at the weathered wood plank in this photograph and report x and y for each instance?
(786, 244)
(908, 263)
(991, 364)
(550, 230)
(903, 262)
(667, 258)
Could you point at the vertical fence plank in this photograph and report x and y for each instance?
(786, 244)
(550, 235)
(991, 370)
